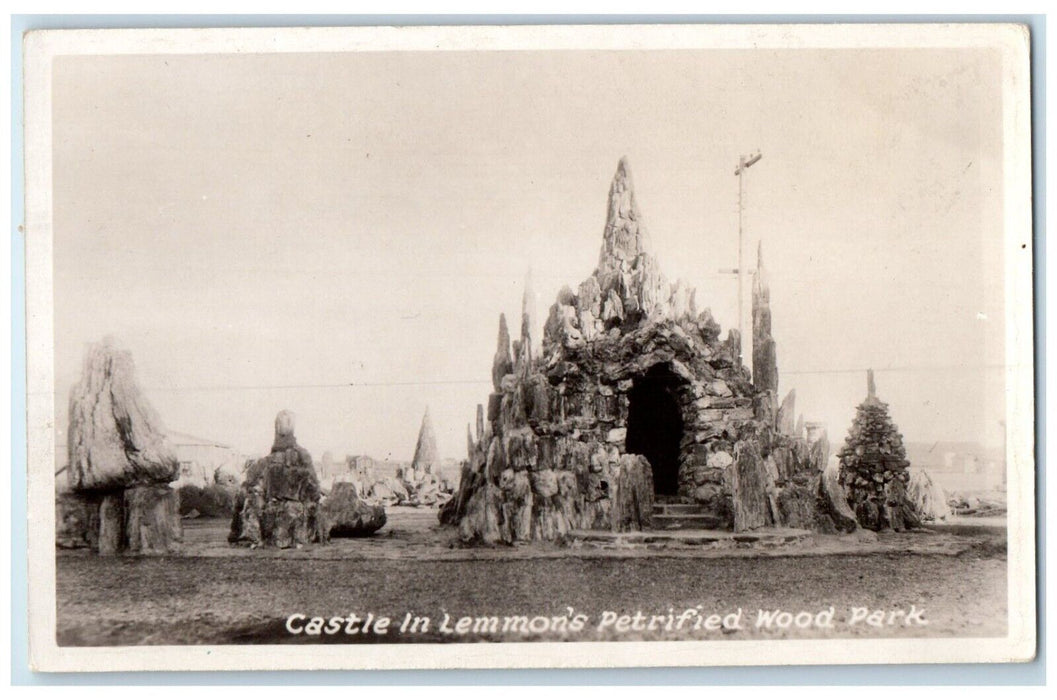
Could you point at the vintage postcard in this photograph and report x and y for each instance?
(568, 346)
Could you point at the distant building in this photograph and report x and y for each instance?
(814, 431)
(200, 458)
(330, 466)
(960, 466)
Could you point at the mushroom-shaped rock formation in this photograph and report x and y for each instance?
(120, 463)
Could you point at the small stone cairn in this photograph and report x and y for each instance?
(279, 501)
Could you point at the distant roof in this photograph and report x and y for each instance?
(179, 438)
(176, 437)
(937, 450)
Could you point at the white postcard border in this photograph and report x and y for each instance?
(42, 47)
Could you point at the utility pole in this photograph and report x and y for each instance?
(744, 163)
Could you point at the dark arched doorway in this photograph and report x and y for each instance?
(655, 426)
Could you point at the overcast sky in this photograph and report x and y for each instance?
(262, 231)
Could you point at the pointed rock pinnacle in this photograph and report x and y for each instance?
(625, 237)
(528, 310)
(503, 363)
(528, 297)
(785, 421)
(760, 287)
(764, 354)
(523, 361)
(426, 448)
(871, 388)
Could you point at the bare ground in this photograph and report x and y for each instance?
(215, 594)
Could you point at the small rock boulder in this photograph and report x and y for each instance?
(348, 515)
(927, 497)
(76, 521)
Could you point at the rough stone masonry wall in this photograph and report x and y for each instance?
(548, 454)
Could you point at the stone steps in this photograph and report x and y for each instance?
(688, 539)
(677, 508)
(684, 516)
(685, 521)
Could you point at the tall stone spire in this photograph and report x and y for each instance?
(764, 356)
(871, 389)
(786, 420)
(625, 236)
(760, 287)
(426, 448)
(523, 350)
(528, 312)
(503, 363)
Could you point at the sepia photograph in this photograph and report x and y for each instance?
(436, 347)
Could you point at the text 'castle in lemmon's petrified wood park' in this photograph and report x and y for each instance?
(634, 398)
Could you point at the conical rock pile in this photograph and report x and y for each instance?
(420, 480)
(873, 467)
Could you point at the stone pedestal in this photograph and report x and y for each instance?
(76, 521)
(152, 520)
(112, 523)
(137, 520)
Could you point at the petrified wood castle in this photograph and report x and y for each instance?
(635, 397)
